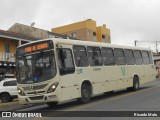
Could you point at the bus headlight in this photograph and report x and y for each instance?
(20, 92)
(53, 87)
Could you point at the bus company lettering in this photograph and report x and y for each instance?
(79, 71)
(123, 71)
(96, 69)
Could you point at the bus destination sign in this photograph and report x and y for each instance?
(36, 47)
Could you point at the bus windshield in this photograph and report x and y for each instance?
(36, 67)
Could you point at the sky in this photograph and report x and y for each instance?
(128, 20)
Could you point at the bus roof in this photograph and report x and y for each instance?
(88, 43)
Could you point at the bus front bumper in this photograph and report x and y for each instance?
(43, 98)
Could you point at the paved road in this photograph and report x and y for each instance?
(146, 99)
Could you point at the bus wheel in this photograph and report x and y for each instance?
(135, 83)
(85, 94)
(52, 104)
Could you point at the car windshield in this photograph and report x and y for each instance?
(36, 67)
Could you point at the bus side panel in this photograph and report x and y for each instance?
(132, 70)
(111, 76)
(98, 79)
(82, 74)
(149, 73)
(123, 79)
(69, 87)
(139, 71)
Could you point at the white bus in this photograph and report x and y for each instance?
(56, 70)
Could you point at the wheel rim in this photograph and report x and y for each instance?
(137, 85)
(85, 94)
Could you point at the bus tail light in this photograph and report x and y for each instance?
(53, 87)
(20, 92)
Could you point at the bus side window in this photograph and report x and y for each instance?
(150, 57)
(107, 55)
(138, 57)
(119, 56)
(145, 57)
(80, 56)
(65, 58)
(129, 57)
(94, 56)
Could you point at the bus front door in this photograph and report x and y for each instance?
(68, 82)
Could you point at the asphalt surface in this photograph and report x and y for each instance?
(145, 99)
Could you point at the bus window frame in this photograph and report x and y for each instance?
(136, 57)
(106, 56)
(143, 58)
(63, 71)
(127, 56)
(92, 56)
(87, 64)
(117, 56)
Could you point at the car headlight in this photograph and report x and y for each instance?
(20, 92)
(53, 87)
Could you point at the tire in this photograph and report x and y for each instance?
(52, 104)
(5, 97)
(135, 83)
(85, 94)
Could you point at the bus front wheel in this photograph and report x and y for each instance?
(85, 94)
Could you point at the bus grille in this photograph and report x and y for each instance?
(36, 87)
(36, 98)
(36, 92)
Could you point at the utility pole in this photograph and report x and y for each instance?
(155, 42)
(135, 42)
(157, 47)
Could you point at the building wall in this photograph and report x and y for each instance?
(84, 30)
(9, 41)
(103, 31)
(90, 24)
(12, 45)
(29, 31)
(80, 28)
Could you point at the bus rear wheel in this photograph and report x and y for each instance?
(85, 94)
(135, 84)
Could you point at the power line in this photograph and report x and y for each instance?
(136, 42)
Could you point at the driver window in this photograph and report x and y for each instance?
(66, 64)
